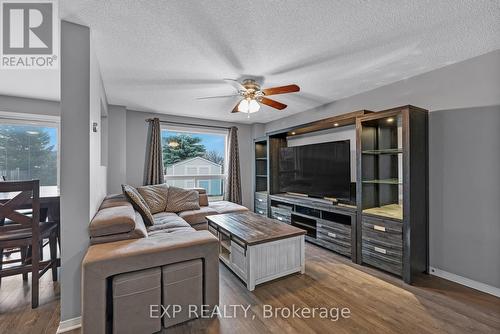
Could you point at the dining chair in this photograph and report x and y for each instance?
(25, 231)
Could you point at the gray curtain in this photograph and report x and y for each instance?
(154, 159)
(233, 184)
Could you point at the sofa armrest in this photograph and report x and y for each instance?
(105, 260)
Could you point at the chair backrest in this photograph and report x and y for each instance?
(18, 195)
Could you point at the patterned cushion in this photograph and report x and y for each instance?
(155, 196)
(138, 203)
(182, 199)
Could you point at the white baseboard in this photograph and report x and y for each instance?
(465, 281)
(69, 325)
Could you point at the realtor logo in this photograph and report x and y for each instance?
(29, 34)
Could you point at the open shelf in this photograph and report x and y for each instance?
(261, 175)
(383, 181)
(226, 244)
(384, 151)
(394, 211)
(263, 159)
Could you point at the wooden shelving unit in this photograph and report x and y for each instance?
(388, 227)
(392, 200)
(261, 179)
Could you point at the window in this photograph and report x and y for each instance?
(195, 158)
(29, 149)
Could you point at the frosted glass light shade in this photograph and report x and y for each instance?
(253, 106)
(243, 106)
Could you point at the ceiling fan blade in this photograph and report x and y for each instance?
(235, 109)
(236, 84)
(273, 103)
(216, 97)
(281, 90)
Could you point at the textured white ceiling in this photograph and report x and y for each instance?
(160, 55)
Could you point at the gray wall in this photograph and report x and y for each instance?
(117, 148)
(464, 158)
(128, 140)
(29, 106)
(83, 180)
(465, 192)
(471, 83)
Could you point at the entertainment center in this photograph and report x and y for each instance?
(381, 220)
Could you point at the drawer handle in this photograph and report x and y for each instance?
(380, 250)
(333, 235)
(261, 212)
(259, 199)
(279, 218)
(379, 228)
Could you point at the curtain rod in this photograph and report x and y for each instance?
(191, 124)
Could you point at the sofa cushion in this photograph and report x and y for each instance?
(155, 196)
(203, 197)
(138, 203)
(112, 220)
(182, 199)
(203, 200)
(138, 232)
(227, 207)
(114, 200)
(194, 217)
(199, 190)
(168, 221)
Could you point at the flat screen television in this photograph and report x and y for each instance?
(317, 170)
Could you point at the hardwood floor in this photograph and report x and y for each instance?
(378, 303)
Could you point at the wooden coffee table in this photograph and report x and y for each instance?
(258, 249)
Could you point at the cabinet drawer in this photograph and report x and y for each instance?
(328, 226)
(382, 225)
(261, 211)
(261, 197)
(281, 214)
(261, 205)
(341, 249)
(339, 239)
(382, 258)
(388, 240)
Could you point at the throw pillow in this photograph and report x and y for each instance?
(155, 196)
(138, 203)
(182, 199)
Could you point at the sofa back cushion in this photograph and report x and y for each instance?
(138, 203)
(182, 199)
(155, 196)
(114, 200)
(203, 197)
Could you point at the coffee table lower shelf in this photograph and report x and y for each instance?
(256, 264)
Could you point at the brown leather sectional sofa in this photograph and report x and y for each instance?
(129, 268)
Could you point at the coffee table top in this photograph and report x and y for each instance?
(254, 229)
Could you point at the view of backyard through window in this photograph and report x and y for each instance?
(195, 160)
(28, 152)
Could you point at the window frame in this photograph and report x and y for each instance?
(199, 130)
(17, 118)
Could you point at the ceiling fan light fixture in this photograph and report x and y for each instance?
(243, 106)
(253, 106)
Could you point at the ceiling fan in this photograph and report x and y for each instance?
(252, 94)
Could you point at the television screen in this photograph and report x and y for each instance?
(318, 170)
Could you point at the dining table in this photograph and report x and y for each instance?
(49, 202)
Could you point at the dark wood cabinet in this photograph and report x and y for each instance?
(261, 177)
(388, 226)
(392, 199)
